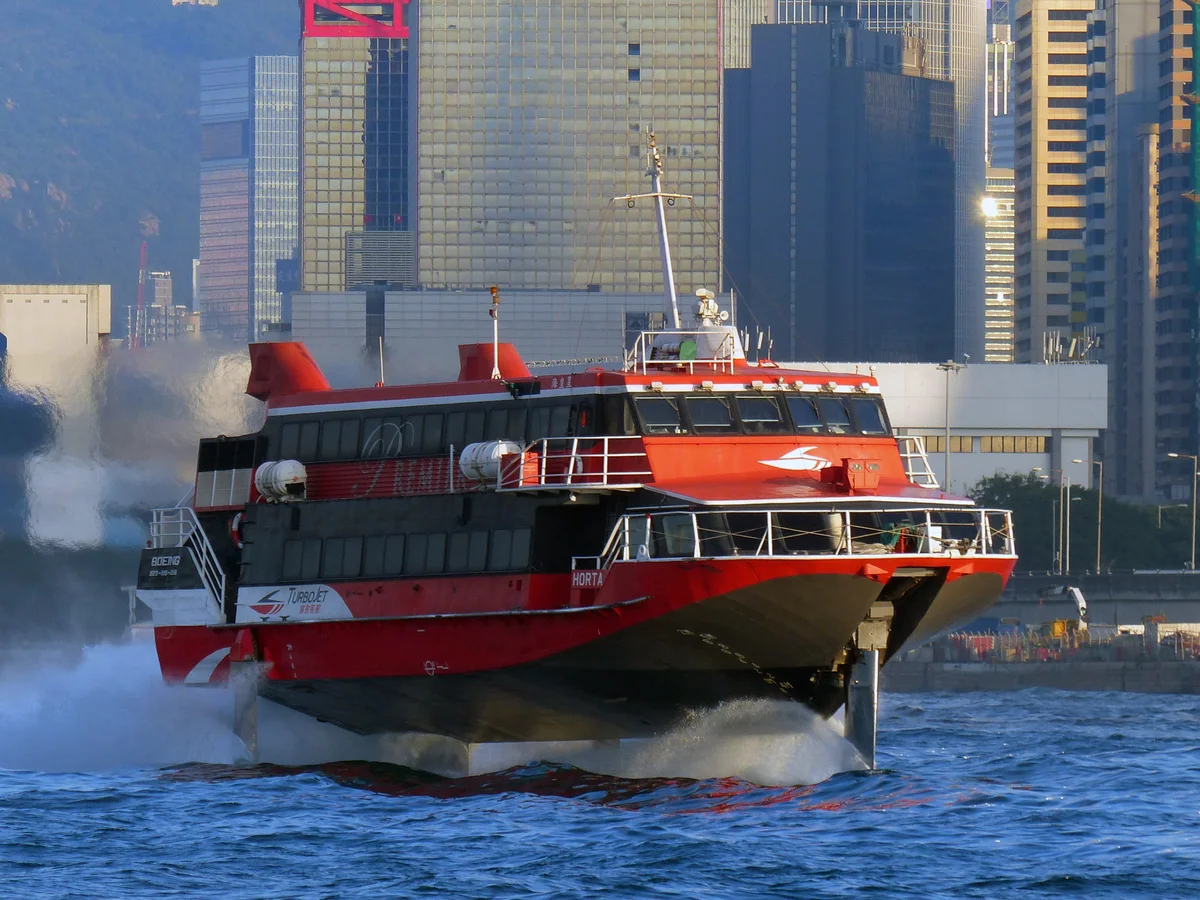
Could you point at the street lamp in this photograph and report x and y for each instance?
(1099, 505)
(949, 366)
(1194, 473)
(1064, 489)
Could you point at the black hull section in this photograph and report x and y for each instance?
(777, 640)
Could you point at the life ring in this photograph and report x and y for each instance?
(235, 529)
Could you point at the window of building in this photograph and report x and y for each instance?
(635, 49)
(635, 74)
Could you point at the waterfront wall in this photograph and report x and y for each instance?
(1112, 598)
(1144, 677)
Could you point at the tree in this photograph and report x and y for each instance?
(1131, 536)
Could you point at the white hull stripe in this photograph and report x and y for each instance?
(203, 671)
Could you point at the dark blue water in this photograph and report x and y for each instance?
(113, 786)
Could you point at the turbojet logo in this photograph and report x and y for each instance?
(798, 460)
(265, 609)
(307, 601)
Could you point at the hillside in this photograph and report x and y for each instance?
(99, 132)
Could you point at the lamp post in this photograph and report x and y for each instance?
(1195, 464)
(1063, 482)
(1099, 505)
(949, 366)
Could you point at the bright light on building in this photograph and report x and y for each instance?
(990, 207)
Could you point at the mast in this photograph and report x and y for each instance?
(664, 243)
(658, 195)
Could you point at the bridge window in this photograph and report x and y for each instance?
(373, 550)
(659, 415)
(868, 415)
(761, 415)
(710, 415)
(393, 554)
(673, 535)
(804, 415)
(835, 414)
(309, 435)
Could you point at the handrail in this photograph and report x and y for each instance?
(576, 463)
(917, 532)
(641, 355)
(180, 525)
(916, 462)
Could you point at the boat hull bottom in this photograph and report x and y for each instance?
(540, 703)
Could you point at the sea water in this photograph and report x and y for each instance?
(113, 785)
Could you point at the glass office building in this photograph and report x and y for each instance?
(249, 206)
(531, 118)
(954, 33)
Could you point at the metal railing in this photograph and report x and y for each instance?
(178, 528)
(922, 532)
(916, 463)
(647, 353)
(581, 463)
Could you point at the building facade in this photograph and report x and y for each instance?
(840, 195)
(1051, 176)
(249, 195)
(954, 34)
(999, 236)
(528, 123)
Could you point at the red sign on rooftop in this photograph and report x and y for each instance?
(355, 18)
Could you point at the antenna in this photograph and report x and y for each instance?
(494, 312)
(664, 245)
(381, 378)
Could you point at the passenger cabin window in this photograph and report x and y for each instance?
(804, 415)
(659, 415)
(761, 415)
(710, 415)
(836, 415)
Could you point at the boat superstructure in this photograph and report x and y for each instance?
(576, 556)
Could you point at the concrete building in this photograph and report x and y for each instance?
(421, 330)
(954, 34)
(527, 124)
(840, 194)
(55, 337)
(1051, 176)
(1003, 418)
(737, 17)
(249, 194)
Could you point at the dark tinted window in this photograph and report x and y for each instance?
(352, 558)
(516, 424)
(868, 415)
(373, 556)
(289, 441)
(835, 415)
(310, 433)
(477, 559)
(539, 423)
(293, 553)
(431, 434)
(411, 431)
(710, 415)
(500, 557)
(348, 445)
(331, 440)
(414, 562)
(520, 547)
(659, 415)
(331, 563)
(761, 415)
(393, 554)
(497, 425)
(474, 426)
(804, 415)
(458, 552)
(560, 421)
(310, 565)
(456, 429)
(435, 553)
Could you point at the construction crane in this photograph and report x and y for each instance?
(140, 316)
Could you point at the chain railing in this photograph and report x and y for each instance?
(921, 532)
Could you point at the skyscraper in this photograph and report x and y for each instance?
(999, 235)
(954, 33)
(249, 205)
(528, 122)
(1051, 175)
(840, 201)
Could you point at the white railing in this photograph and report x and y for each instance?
(178, 528)
(922, 532)
(916, 463)
(648, 353)
(581, 463)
